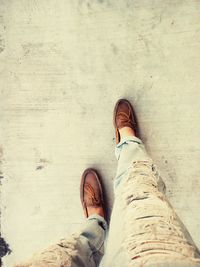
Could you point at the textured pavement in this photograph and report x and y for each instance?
(63, 65)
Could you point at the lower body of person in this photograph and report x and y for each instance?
(144, 228)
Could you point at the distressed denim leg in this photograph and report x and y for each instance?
(144, 228)
(90, 245)
(128, 150)
(83, 249)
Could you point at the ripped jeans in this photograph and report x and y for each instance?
(144, 228)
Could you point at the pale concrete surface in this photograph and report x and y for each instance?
(63, 65)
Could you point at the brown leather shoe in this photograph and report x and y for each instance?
(123, 117)
(91, 193)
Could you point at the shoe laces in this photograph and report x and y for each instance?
(125, 118)
(91, 194)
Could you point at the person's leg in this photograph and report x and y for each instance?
(128, 150)
(144, 229)
(85, 248)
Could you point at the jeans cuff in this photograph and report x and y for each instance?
(127, 139)
(100, 219)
